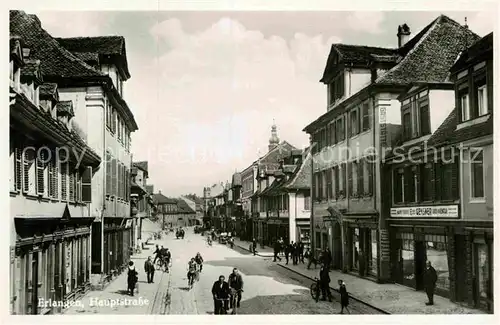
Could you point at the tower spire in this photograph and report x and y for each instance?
(273, 140)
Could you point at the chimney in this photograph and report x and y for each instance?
(403, 35)
(159, 192)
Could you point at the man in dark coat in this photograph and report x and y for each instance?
(344, 297)
(235, 282)
(277, 248)
(132, 278)
(324, 280)
(220, 290)
(327, 258)
(430, 279)
(301, 252)
(254, 246)
(149, 268)
(295, 253)
(362, 263)
(288, 251)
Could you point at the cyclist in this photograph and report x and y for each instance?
(157, 254)
(209, 240)
(199, 261)
(235, 281)
(166, 258)
(192, 268)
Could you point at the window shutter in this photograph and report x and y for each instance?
(19, 168)
(361, 176)
(113, 177)
(437, 181)
(40, 158)
(128, 185)
(108, 174)
(27, 161)
(87, 185)
(56, 179)
(71, 173)
(407, 184)
(327, 136)
(349, 178)
(371, 166)
(333, 132)
(454, 180)
(397, 186)
(50, 176)
(344, 176)
(366, 116)
(425, 119)
(418, 185)
(64, 181)
(337, 179)
(341, 85)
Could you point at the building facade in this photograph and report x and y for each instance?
(51, 179)
(442, 208)
(285, 198)
(361, 124)
(141, 200)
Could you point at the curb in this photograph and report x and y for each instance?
(244, 248)
(336, 290)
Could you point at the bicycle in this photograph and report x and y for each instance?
(234, 300)
(162, 264)
(221, 308)
(191, 278)
(315, 289)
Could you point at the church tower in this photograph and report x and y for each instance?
(273, 140)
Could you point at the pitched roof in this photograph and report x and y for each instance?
(481, 46)
(143, 165)
(360, 53)
(55, 59)
(65, 107)
(432, 55)
(445, 130)
(87, 56)
(159, 198)
(48, 89)
(302, 177)
(183, 207)
(102, 45)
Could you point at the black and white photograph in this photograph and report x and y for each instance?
(250, 162)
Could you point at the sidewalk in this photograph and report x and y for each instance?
(262, 252)
(392, 298)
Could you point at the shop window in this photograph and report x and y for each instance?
(438, 256)
(374, 253)
(408, 257)
(355, 248)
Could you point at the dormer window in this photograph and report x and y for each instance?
(336, 89)
(416, 117)
(472, 96)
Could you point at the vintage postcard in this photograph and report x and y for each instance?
(175, 162)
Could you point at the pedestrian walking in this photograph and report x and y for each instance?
(254, 246)
(430, 279)
(324, 280)
(149, 268)
(132, 278)
(277, 247)
(295, 253)
(362, 263)
(288, 250)
(327, 258)
(301, 252)
(344, 297)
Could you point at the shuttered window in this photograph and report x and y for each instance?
(336, 180)
(78, 186)
(28, 177)
(349, 179)
(50, 177)
(449, 181)
(87, 185)
(127, 178)
(425, 118)
(40, 172)
(340, 130)
(437, 181)
(370, 168)
(333, 133)
(361, 176)
(56, 180)
(407, 124)
(329, 188)
(71, 184)
(408, 194)
(354, 125)
(343, 178)
(113, 177)
(366, 116)
(109, 172)
(64, 182)
(428, 182)
(19, 167)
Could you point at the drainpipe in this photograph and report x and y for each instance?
(104, 183)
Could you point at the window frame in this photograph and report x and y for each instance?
(353, 122)
(365, 113)
(471, 180)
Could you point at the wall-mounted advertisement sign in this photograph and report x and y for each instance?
(437, 211)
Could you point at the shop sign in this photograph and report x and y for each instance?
(437, 211)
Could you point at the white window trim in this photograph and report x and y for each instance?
(466, 111)
(484, 111)
(472, 153)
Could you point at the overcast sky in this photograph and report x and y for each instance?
(206, 86)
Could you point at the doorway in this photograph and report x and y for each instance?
(420, 259)
(34, 284)
(337, 246)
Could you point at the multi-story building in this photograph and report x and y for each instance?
(90, 73)
(286, 200)
(51, 176)
(442, 182)
(140, 199)
(362, 122)
(166, 210)
(236, 209)
(249, 188)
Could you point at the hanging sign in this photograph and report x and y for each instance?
(437, 211)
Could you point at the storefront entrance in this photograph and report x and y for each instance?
(420, 258)
(337, 246)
